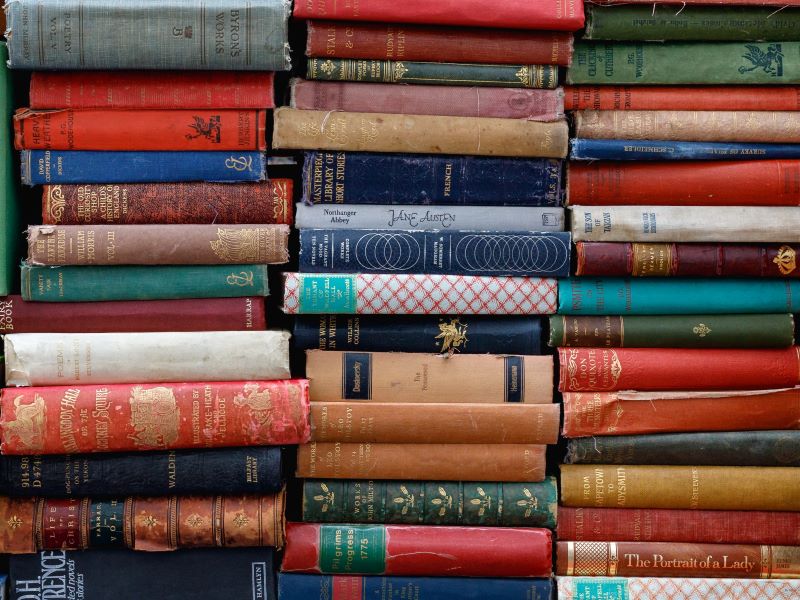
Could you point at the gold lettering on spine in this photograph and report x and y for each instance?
(101, 415)
(66, 421)
(652, 260)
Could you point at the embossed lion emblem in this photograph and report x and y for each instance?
(154, 417)
(28, 425)
(258, 401)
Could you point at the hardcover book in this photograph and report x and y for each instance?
(685, 588)
(606, 149)
(9, 204)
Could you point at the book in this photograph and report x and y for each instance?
(674, 559)
(168, 203)
(417, 550)
(418, 134)
(445, 100)
(137, 282)
(672, 331)
(438, 252)
(758, 63)
(422, 462)
(670, 486)
(613, 369)
(529, 504)
(82, 167)
(411, 377)
(152, 89)
(393, 41)
(117, 418)
(157, 244)
(621, 413)
(231, 471)
(780, 3)
(152, 524)
(201, 314)
(687, 588)
(84, 358)
(9, 203)
(307, 293)
(369, 178)
(414, 217)
(219, 35)
(604, 149)
(445, 334)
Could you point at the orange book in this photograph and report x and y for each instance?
(676, 97)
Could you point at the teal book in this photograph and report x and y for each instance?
(9, 216)
(170, 282)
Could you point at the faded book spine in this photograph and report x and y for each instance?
(661, 150)
(687, 588)
(114, 418)
(417, 134)
(157, 244)
(151, 524)
(84, 358)
(411, 377)
(172, 203)
(484, 504)
(10, 202)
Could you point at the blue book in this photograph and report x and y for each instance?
(373, 178)
(73, 166)
(583, 149)
(321, 587)
(435, 252)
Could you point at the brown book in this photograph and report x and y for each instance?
(418, 377)
(423, 462)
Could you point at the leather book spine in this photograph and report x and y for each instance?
(417, 550)
(114, 418)
(686, 487)
(400, 377)
(431, 503)
(155, 89)
(422, 462)
(686, 588)
(672, 150)
(171, 203)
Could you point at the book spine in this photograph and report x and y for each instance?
(157, 244)
(673, 331)
(398, 377)
(463, 334)
(75, 36)
(688, 487)
(10, 202)
(415, 218)
(365, 178)
(590, 149)
(151, 524)
(41, 358)
(61, 167)
(450, 423)
(50, 420)
(173, 203)
(422, 462)
(724, 2)
(418, 134)
(230, 471)
(431, 503)
(395, 550)
(664, 525)
(306, 293)
(164, 282)
(203, 314)
(157, 89)
(437, 252)
(654, 559)
(686, 588)
(609, 413)
(723, 63)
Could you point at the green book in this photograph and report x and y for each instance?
(9, 228)
(703, 23)
(685, 63)
(94, 284)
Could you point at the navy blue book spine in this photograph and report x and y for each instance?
(373, 178)
(73, 166)
(227, 471)
(428, 333)
(479, 253)
(584, 149)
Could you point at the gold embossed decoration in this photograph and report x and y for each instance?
(453, 336)
(240, 279)
(616, 367)
(407, 500)
(194, 521)
(28, 424)
(238, 245)
(154, 417)
(327, 497)
(327, 67)
(240, 520)
(701, 330)
(258, 401)
(484, 501)
(444, 501)
(56, 202)
(786, 260)
(530, 503)
(15, 522)
(524, 75)
(398, 71)
(149, 521)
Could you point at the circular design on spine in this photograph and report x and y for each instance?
(511, 254)
(387, 252)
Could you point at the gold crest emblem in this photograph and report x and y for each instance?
(241, 279)
(154, 417)
(328, 67)
(530, 503)
(15, 522)
(259, 404)
(701, 330)
(149, 521)
(398, 71)
(28, 424)
(453, 336)
(56, 202)
(785, 260)
(237, 245)
(240, 520)
(444, 501)
(194, 521)
(327, 497)
(484, 501)
(407, 500)
(616, 367)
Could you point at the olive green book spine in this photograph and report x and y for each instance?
(10, 236)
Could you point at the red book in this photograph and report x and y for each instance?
(610, 369)
(679, 3)
(696, 97)
(164, 416)
(437, 44)
(706, 183)
(559, 15)
(103, 129)
(417, 550)
(668, 525)
(204, 314)
(152, 89)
